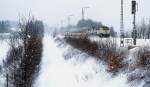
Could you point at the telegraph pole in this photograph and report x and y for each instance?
(61, 22)
(83, 14)
(69, 19)
(122, 26)
(134, 33)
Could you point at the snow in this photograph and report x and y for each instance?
(4, 47)
(58, 72)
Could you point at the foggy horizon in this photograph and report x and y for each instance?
(53, 12)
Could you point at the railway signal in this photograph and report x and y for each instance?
(133, 12)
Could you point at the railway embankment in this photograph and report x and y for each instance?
(134, 62)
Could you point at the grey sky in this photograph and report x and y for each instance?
(53, 11)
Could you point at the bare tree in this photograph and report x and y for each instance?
(143, 29)
(148, 33)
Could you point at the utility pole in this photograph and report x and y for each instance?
(61, 22)
(122, 26)
(134, 33)
(69, 19)
(83, 14)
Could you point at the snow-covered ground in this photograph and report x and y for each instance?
(4, 48)
(56, 71)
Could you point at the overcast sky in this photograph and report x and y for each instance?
(53, 11)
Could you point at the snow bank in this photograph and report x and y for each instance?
(58, 72)
(4, 48)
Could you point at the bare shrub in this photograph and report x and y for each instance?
(115, 60)
(23, 62)
(143, 57)
(141, 67)
(11, 66)
(84, 44)
(30, 64)
(107, 52)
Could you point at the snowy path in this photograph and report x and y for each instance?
(75, 72)
(57, 72)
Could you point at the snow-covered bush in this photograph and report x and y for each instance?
(141, 67)
(23, 61)
(107, 52)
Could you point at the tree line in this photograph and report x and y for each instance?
(4, 26)
(142, 31)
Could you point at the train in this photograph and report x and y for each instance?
(102, 31)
